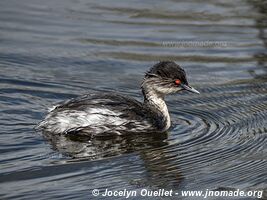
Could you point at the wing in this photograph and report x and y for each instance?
(97, 114)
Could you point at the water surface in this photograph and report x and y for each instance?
(55, 50)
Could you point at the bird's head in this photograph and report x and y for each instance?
(166, 77)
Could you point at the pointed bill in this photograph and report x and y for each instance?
(190, 89)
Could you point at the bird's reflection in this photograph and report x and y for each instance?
(161, 170)
(96, 148)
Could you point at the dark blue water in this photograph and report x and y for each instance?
(55, 50)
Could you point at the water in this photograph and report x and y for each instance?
(55, 50)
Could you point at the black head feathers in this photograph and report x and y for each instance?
(168, 69)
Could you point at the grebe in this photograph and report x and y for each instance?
(102, 114)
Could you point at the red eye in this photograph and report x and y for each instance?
(177, 82)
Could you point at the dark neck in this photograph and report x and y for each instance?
(156, 105)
